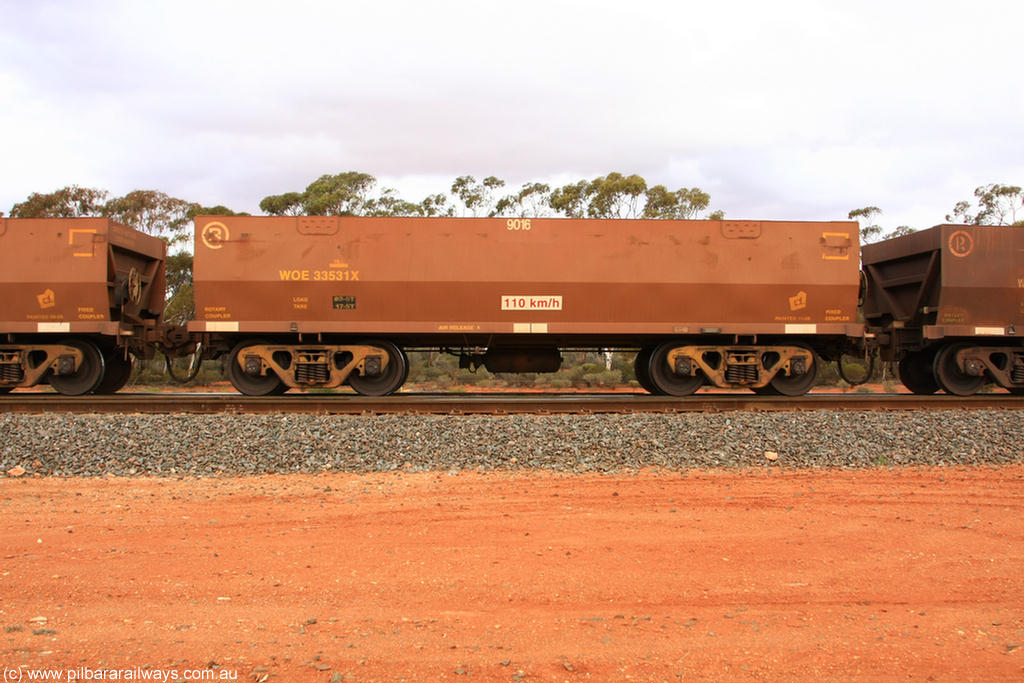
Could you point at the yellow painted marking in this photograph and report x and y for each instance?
(305, 275)
(517, 224)
(74, 232)
(47, 299)
(845, 256)
(215, 234)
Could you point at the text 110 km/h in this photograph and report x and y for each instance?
(531, 303)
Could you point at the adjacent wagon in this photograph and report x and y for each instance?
(78, 298)
(948, 304)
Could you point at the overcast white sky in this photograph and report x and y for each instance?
(779, 109)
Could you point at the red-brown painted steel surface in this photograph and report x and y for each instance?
(64, 274)
(952, 280)
(482, 276)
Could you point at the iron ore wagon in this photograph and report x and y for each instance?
(78, 299)
(323, 301)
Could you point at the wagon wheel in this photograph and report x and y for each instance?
(134, 286)
(665, 380)
(388, 381)
(766, 390)
(88, 375)
(117, 371)
(797, 385)
(951, 378)
(917, 374)
(641, 366)
(259, 385)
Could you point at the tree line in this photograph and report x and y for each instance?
(612, 196)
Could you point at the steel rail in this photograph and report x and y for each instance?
(488, 404)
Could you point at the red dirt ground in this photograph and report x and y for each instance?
(772, 575)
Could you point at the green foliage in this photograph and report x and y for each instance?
(619, 196)
(873, 233)
(154, 373)
(351, 194)
(287, 204)
(624, 364)
(181, 306)
(153, 212)
(901, 231)
(997, 205)
(603, 379)
(477, 197)
(869, 232)
(150, 211)
(532, 201)
(389, 204)
(612, 196)
(68, 202)
(436, 205)
(218, 210)
(616, 196)
(683, 204)
(342, 194)
(570, 200)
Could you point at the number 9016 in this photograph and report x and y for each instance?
(518, 223)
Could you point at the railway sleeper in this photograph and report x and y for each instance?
(301, 366)
(26, 365)
(731, 367)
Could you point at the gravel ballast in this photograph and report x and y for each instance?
(232, 444)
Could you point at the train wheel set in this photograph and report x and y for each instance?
(257, 367)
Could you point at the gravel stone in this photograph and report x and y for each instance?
(230, 444)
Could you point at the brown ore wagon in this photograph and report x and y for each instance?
(78, 297)
(948, 302)
(323, 301)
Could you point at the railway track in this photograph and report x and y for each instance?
(494, 404)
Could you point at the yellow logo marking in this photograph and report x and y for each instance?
(73, 233)
(47, 299)
(837, 246)
(215, 234)
(798, 302)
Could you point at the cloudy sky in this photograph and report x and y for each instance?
(781, 109)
